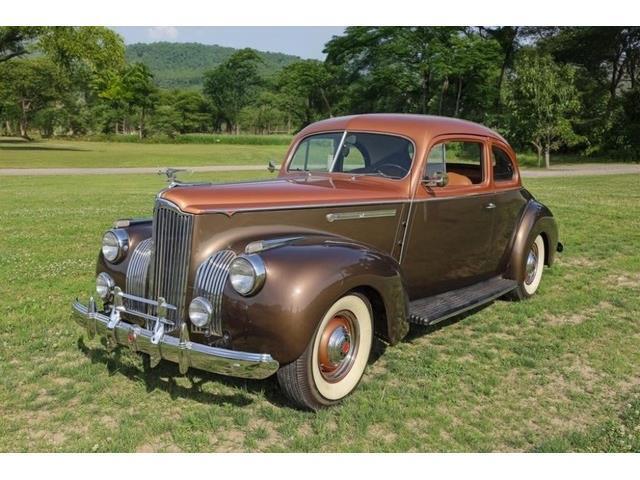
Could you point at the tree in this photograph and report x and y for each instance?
(30, 85)
(140, 93)
(415, 70)
(542, 97)
(14, 40)
(232, 85)
(304, 89)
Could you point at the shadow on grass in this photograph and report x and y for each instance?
(163, 378)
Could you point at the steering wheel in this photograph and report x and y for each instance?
(403, 171)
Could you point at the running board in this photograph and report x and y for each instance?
(434, 309)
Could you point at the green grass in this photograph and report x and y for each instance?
(15, 153)
(558, 372)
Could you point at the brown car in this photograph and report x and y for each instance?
(374, 222)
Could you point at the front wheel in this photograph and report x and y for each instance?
(335, 359)
(533, 267)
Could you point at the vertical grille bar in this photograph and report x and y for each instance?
(172, 230)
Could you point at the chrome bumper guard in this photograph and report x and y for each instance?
(158, 345)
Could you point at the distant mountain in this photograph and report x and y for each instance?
(182, 65)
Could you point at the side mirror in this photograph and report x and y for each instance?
(438, 179)
(271, 166)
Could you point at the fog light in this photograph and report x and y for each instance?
(104, 285)
(200, 311)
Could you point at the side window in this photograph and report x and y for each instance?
(316, 153)
(461, 160)
(352, 158)
(502, 166)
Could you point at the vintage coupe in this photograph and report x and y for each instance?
(374, 222)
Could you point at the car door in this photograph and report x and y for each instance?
(450, 227)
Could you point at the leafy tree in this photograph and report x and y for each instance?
(30, 85)
(14, 41)
(542, 98)
(232, 85)
(305, 91)
(140, 93)
(412, 69)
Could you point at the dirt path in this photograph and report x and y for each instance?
(559, 171)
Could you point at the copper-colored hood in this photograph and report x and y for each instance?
(290, 191)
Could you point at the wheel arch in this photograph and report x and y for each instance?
(536, 220)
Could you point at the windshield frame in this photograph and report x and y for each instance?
(335, 156)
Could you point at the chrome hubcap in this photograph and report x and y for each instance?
(532, 265)
(338, 347)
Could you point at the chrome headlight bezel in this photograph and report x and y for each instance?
(247, 274)
(104, 285)
(117, 238)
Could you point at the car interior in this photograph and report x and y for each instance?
(460, 160)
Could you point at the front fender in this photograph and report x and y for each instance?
(304, 278)
(536, 219)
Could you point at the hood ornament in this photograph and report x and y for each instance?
(171, 174)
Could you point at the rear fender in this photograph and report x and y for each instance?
(536, 220)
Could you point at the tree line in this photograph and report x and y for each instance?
(575, 89)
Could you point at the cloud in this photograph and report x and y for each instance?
(162, 33)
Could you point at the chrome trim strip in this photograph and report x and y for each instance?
(211, 277)
(179, 350)
(332, 217)
(337, 154)
(262, 245)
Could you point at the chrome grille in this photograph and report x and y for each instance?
(172, 231)
(210, 280)
(137, 274)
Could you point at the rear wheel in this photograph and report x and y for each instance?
(335, 359)
(533, 267)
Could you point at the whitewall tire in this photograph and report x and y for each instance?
(335, 359)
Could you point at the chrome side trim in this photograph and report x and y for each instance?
(211, 278)
(332, 217)
(262, 245)
(179, 350)
(137, 273)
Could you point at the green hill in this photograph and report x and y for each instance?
(182, 65)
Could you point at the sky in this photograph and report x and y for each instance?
(305, 42)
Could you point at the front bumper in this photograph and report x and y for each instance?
(178, 350)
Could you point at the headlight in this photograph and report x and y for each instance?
(247, 274)
(115, 244)
(200, 311)
(104, 284)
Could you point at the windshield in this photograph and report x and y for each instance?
(352, 152)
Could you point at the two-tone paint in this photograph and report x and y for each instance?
(391, 240)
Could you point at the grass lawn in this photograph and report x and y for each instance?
(15, 153)
(558, 372)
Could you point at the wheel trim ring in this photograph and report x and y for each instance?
(333, 372)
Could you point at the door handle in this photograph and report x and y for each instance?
(490, 206)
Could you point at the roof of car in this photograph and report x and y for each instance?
(404, 124)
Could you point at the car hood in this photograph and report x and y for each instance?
(281, 193)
